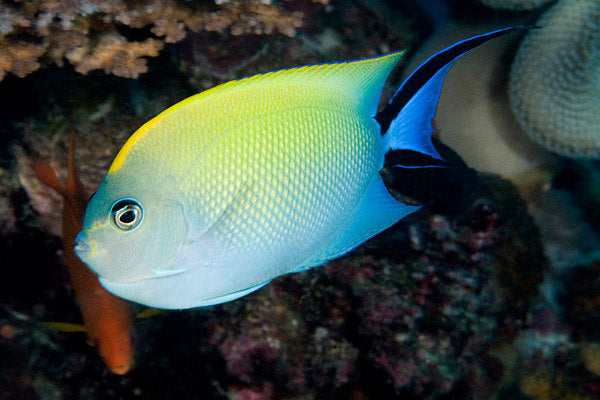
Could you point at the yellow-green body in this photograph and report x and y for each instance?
(245, 182)
(260, 177)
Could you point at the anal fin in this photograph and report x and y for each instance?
(230, 296)
(377, 211)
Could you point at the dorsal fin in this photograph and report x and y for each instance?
(363, 78)
(406, 119)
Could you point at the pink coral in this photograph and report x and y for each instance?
(241, 352)
(264, 392)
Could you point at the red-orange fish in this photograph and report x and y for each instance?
(108, 319)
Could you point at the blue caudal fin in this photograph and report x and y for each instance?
(406, 120)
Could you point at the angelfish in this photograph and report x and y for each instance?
(259, 177)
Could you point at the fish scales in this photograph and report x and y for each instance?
(304, 161)
(257, 178)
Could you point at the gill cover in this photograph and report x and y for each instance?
(132, 237)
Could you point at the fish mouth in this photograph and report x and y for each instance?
(83, 247)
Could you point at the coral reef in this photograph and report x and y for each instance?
(89, 33)
(514, 250)
(554, 86)
(550, 364)
(515, 4)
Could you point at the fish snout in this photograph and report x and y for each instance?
(83, 246)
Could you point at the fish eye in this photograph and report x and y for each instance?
(126, 214)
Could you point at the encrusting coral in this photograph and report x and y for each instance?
(554, 86)
(86, 32)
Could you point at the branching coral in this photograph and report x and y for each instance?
(114, 54)
(554, 85)
(86, 32)
(259, 19)
(19, 57)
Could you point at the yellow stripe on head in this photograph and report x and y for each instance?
(122, 155)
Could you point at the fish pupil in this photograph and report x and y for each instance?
(127, 217)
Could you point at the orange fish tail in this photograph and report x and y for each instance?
(108, 319)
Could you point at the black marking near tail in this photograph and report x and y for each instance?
(412, 159)
(427, 70)
(445, 186)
